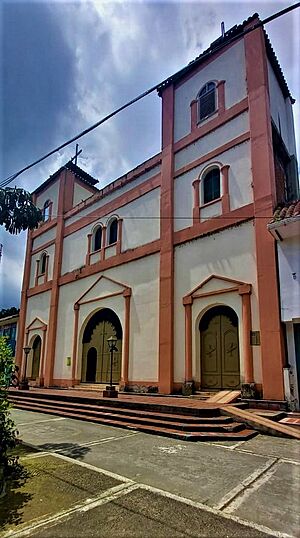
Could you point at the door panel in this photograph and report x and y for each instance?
(220, 364)
(36, 358)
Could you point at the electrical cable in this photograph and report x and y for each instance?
(12, 177)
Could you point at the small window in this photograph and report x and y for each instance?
(113, 231)
(97, 239)
(42, 265)
(207, 100)
(46, 210)
(211, 185)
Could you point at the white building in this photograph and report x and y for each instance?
(175, 257)
(285, 227)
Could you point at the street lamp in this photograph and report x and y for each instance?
(110, 391)
(24, 382)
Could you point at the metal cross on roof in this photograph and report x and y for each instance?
(76, 154)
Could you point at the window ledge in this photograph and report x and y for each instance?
(211, 202)
(215, 113)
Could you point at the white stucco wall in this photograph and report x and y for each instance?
(239, 182)
(289, 273)
(50, 251)
(281, 112)
(50, 193)
(213, 140)
(38, 307)
(230, 66)
(44, 238)
(80, 194)
(230, 253)
(137, 230)
(142, 276)
(108, 198)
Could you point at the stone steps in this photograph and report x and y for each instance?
(207, 425)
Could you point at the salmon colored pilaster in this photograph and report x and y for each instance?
(194, 111)
(75, 338)
(103, 243)
(41, 371)
(166, 276)
(245, 291)
(52, 325)
(196, 207)
(119, 241)
(23, 308)
(187, 302)
(221, 96)
(264, 201)
(125, 369)
(87, 258)
(225, 188)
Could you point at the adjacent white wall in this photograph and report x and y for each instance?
(80, 194)
(109, 197)
(289, 273)
(232, 129)
(140, 226)
(230, 66)
(38, 307)
(143, 277)
(44, 238)
(230, 253)
(50, 193)
(239, 179)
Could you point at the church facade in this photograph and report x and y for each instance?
(174, 259)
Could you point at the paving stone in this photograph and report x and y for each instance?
(53, 485)
(141, 514)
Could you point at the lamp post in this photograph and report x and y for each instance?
(110, 391)
(24, 382)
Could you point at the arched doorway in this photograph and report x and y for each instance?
(36, 357)
(91, 365)
(220, 361)
(95, 351)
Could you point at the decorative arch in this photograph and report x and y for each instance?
(205, 184)
(213, 288)
(112, 230)
(98, 294)
(209, 101)
(219, 345)
(47, 210)
(42, 266)
(36, 329)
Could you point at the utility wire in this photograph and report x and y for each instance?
(12, 177)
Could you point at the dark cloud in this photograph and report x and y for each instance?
(37, 81)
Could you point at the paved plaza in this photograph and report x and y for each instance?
(93, 480)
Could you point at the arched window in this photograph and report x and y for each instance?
(207, 101)
(97, 239)
(42, 264)
(113, 231)
(211, 185)
(47, 210)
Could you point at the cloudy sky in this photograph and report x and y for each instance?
(67, 64)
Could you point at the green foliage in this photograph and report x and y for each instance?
(17, 211)
(7, 428)
(5, 312)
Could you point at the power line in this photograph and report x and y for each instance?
(12, 177)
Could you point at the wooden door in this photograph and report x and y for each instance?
(91, 365)
(220, 364)
(37, 344)
(107, 329)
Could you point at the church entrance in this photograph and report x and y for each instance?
(96, 355)
(36, 357)
(220, 361)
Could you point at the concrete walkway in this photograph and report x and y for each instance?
(92, 480)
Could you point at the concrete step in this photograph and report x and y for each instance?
(103, 410)
(168, 430)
